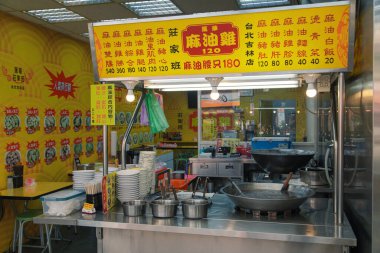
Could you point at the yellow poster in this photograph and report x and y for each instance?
(103, 104)
(301, 39)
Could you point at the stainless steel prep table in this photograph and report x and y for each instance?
(225, 230)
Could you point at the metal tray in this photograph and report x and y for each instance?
(268, 196)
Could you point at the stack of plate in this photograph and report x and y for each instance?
(98, 176)
(144, 185)
(147, 160)
(81, 177)
(127, 185)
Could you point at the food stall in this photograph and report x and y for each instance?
(228, 51)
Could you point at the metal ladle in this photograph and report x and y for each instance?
(236, 187)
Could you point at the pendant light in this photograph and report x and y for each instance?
(130, 85)
(214, 81)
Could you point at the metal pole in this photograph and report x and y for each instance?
(105, 150)
(338, 187)
(199, 93)
(129, 128)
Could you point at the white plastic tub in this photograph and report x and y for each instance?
(63, 203)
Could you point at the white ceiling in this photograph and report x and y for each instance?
(112, 10)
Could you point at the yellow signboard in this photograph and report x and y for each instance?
(103, 104)
(280, 40)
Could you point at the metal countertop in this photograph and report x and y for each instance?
(313, 224)
(222, 159)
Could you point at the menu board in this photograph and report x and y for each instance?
(314, 37)
(103, 104)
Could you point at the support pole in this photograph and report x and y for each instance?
(339, 148)
(130, 125)
(199, 114)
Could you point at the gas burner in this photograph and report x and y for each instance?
(271, 215)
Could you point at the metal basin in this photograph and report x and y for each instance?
(268, 196)
(314, 176)
(164, 208)
(195, 208)
(134, 208)
(281, 161)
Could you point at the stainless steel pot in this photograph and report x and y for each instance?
(134, 208)
(195, 208)
(164, 208)
(314, 176)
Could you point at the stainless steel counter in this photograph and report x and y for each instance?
(222, 159)
(313, 224)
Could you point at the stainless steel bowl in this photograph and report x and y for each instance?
(164, 208)
(195, 208)
(134, 208)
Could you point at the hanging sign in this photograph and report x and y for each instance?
(311, 38)
(103, 104)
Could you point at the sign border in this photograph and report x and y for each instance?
(351, 40)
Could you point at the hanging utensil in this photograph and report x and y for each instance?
(285, 185)
(195, 187)
(205, 188)
(174, 193)
(236, 187)
(162, 191)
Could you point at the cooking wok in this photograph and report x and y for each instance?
(281, 161)
(267, 196)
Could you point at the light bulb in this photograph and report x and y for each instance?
(214, 95)
(311, 91)
(130, 96)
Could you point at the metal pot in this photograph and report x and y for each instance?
(195, 208)
(134, 208)
(164, 208)
(314, 176)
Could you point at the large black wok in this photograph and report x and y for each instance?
(281, 161)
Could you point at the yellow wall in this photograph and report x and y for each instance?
(174, 104)
(32, 48)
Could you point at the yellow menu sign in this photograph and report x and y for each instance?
(314, 37)
(103, 104)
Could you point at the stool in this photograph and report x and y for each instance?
(18, 233)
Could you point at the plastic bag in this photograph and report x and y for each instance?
(157, 119)
(144, 119)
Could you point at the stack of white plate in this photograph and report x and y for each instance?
(144, 185)
(98, 176)
(81, 177)
(127, 185)
(147, 161)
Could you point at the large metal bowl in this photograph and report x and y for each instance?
(195, 208)
(164, 208)
(268, 196)
(282, 161)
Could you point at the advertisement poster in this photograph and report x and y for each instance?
(299, 39)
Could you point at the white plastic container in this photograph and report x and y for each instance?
(63, 203)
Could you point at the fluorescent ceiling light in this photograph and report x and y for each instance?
(118, 19)
(231, 78)
(82, 2)
(278, 83)
(222, 84)
(56, 15)
(261, 3)
(253, 87)
(153, 8)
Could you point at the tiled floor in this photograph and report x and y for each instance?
(82, 242)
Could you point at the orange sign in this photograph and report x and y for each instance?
(310, 38)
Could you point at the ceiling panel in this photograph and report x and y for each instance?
(22, 5)
(75, 27)
(99, 12)
(198, 6)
